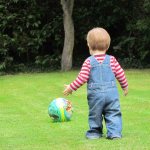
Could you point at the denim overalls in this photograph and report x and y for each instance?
(103, 100)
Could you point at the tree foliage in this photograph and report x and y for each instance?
(26, 31)
(32, 31)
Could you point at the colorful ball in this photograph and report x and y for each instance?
(60, 110)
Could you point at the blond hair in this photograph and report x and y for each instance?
(98, 39)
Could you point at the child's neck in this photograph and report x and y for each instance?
(97, 52)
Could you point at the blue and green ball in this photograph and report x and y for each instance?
(60, 110)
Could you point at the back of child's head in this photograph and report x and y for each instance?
(98, 39)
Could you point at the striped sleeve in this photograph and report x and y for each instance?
(119, 73)
(82, 77)
(84, 73)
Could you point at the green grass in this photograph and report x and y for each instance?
(25, 124)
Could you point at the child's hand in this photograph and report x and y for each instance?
(125, 91)
(67, 90)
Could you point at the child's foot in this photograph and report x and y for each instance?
(113, 138)
(92, 136)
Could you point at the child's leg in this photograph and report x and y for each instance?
(96, 128)
(112, 115)
(96, 104)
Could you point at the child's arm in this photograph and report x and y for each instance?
(82, 78)
(120, 76)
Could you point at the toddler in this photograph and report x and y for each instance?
(100, 71)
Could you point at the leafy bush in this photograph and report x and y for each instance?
(24, 35)
(52, 62)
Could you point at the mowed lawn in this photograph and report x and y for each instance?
(25, 124)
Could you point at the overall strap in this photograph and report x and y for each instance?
(106, 60)
(93, 61)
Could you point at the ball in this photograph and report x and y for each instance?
(60, 110)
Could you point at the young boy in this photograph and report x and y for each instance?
(100, 71)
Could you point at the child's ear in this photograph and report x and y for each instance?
(91, 52)
(89, 46)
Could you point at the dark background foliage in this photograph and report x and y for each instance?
(32, 33)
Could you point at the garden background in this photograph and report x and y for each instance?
(32, 32)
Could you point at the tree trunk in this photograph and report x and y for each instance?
(66, 60)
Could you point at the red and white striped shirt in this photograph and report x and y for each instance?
(84, 73)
